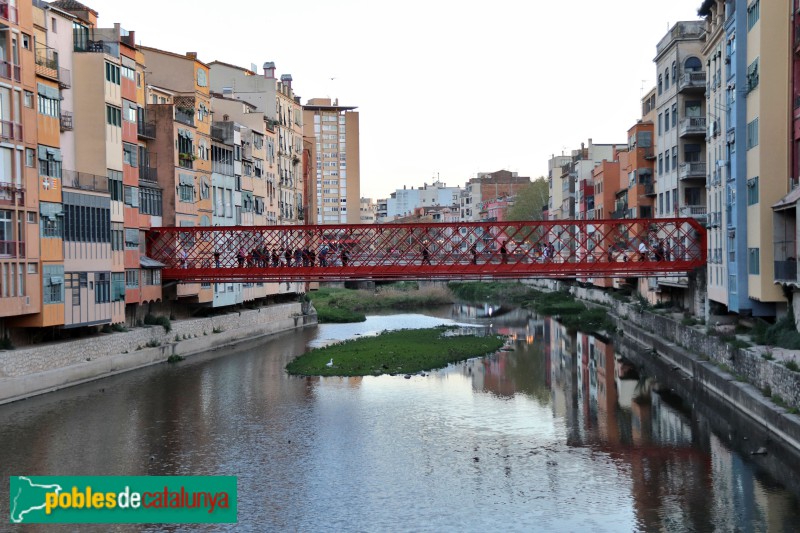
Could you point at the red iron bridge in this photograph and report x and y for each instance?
(435, 251)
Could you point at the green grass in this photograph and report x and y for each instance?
(345, 305)
(394, 352)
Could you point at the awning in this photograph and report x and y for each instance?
(788, 201)
(146, 262)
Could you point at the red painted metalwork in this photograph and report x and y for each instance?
(467, 250)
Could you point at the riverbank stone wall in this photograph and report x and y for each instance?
(41, 368)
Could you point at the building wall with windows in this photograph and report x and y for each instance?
(766, 85)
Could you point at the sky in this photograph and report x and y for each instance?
(444, 88)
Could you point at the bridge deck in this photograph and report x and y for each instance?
(452, 251)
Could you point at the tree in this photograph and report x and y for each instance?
(530, 201)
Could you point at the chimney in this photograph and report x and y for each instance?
(286, 79)
(191, 55)
(269, 70)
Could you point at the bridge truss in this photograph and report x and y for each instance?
(447, 251)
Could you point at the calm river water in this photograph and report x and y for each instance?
(558, 434)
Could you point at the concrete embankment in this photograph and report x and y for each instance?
(741, 377)
(45, 368)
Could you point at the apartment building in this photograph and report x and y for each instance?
(488, 186)
(20, 290)
(680, 130)
(556, 196)
(337, 179)
(717, 62)
(404, 202)
(367, 211)
(179, 104)
(785, 211)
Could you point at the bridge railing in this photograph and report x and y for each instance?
(475, 250)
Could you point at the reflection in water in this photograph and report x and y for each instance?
(557, 432)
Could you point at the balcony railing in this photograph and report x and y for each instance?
(47, 57)
(184, 116)
(696, 211)
(12, 249)
(8, 12)
(148, 163)
(66, 121)
(9, 70)
(10, 131)
(692, 80)
(692, 126)
(98, 47)
(64, 78)
(649, 152)
(786, 261)
(84, 180)
(692, 170)
(146, 130)
(619, 213)
(12, 194)
(650, 189)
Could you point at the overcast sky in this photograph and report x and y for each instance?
(444, 88)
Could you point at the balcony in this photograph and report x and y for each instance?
(688, 171)
(47, 62)
(12, 194)
(8, 12)
(66, 121)
(148, 163)
(649, 152)
(692, 81)
(84, 181)
(9, 70)
(786, 261)
(64, 78)
(186, 161)
(98, 47)
(619, 213)
(692, 126)
(12, 249)
(693, 211)
(146, 130)
(10, 131)
(184, 116)
(649, 188)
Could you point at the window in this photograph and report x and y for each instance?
(674, 72)
(132, 278)
(115, 185)
(666, 79)
(49, 162)
(113, 116)
(666, 120)
(752, 76)
(86, 223)
(674, 157)
(202, 78)
(666, 161)
(48, 106)
(31, 217)
(112, 73)
(131, 238)
(753, 261)
(53, 25)
(52, 220)
(150, 201)
(660, 118)
(674, 115)
(151, 276)
(116, 236)
(753, 14)
(128, 72)
(129, 154)
(131, 113)
(53, 284)
(186, 193)
(752, 134)
(752, 191)
(30, 157)
(33, 268)
(28, 99)
(102, 287)
(660, 164)
(131, 196)
(117, 286)
(660, 84)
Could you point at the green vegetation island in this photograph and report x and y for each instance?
(407, 351)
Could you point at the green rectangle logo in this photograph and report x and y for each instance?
(122, 499)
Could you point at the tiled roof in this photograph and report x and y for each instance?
(72, 5)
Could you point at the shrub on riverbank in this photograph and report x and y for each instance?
(394, 352)
(782, 333)
(482, 291)
(345, 305)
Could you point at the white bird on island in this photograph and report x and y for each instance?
(329, 364)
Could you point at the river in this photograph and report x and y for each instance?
(559, 434)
